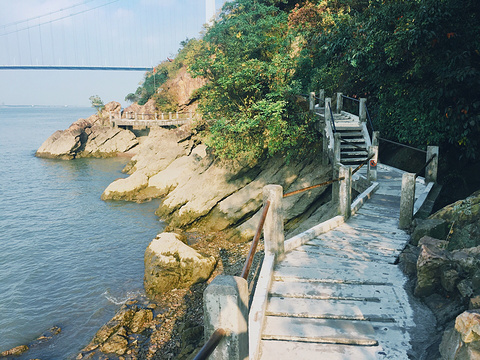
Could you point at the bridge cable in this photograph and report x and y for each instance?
(61, 18)
(41, 42)
(44, 15)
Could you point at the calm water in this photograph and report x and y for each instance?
(67, 258)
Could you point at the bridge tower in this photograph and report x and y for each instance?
(209, 11)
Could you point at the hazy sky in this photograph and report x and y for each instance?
(88, 32)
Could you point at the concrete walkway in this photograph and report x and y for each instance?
(341, 296)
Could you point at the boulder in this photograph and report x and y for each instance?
(125, 189)
(463, 341)
(463, 217)
(156, 152)
(106, 141)
(431, 261)
(170, 264)
(115, 337)
(436, 228)
(18, 350)
(179, 171)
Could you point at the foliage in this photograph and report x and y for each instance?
(247, 57)
(416, 61)
(97, 102)
(153, 80)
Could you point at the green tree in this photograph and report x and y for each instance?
(97, 102)
(418, 62)
(249, 102)
(131, 98)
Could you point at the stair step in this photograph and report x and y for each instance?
(351, 134)
(352, 161)
(357, 140)
(319, 331)
(331, 291)
(283, 350)
(353, 153)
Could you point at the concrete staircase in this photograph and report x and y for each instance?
(341, 296)
(352, 131)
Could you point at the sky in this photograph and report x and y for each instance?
(89, 32)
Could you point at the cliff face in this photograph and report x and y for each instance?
(200, 193)
(179, 91)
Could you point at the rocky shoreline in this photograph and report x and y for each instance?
(215, 209)
(443, 262)
(212, 207)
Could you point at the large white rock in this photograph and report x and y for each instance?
(170, 264)
(104, 141)
(125, 188)
(463, 341)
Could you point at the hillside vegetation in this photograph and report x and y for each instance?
(417, 62)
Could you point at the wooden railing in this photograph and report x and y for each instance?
(150, 119)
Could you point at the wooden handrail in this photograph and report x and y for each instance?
(426, 164)
(253, 247)
(363, 163)
(313, 187)
(210, 345)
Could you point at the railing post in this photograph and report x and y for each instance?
(328, 104)
(375, 138)
(156, 116)
(170, 115)
(337, 148)
(311, 101)
(225, 304)
(163, 118)
(362, 110)
(273, 233)
(407, 200)
(136, 116)
(177, 114)
(339, 103)
(345, 191)
(432, 168)
(372, 164)
(321, 97)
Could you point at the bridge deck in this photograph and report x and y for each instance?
(341, 296)
(150, 123)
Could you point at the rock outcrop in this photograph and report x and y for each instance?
(92, 137)
(462, 217)
(123, 334)
(170, 264)
(42, 339)
(201, 193)
(463, 341)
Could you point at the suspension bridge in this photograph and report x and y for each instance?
(100, 35)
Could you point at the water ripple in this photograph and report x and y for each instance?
(66, 257)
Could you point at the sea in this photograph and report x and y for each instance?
(67, 258)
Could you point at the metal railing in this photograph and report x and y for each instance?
(210, 345)
(417, 174)
(332, 119)
(364, 162)
(403, 145)
(313, 187)
(370, 122)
